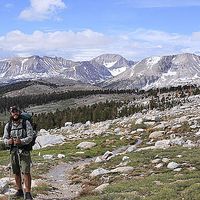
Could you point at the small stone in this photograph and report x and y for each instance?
(165, 160)
(60, 156)
(98, 160)
(156, 161)
(177, 169)
(48, 157)
(158, 166)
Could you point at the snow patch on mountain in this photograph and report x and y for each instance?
(152, 61)
(109, 64)
(118, 71)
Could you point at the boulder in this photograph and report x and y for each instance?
(47, 139)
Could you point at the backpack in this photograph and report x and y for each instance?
(26, 116)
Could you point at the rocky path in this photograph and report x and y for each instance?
(58, 178)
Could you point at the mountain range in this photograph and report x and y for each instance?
(108, 70)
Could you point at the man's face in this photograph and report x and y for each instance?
(15, 114)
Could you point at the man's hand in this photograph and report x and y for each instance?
(17, 141)
(10, 141)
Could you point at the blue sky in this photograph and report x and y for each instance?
(83, 29)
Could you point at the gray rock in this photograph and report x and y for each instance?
(165, 160)
(125, 158)
(163, 144)
(88, 123)
(68, 123)
(173, 165)
(177, 169)
(131, 148)
(139, 121)
(160, 165)
(99, 171)
(48, 156)
(61, 156)
(146, 148)
(98, 160)
(10, 191)
(177, 141)
(3, 184)
(86, 145)
(156, 134)
(47, 139)
(162, 125)
(100, 188)
(183, 119)
(156, 161)
(108, 155)
(149, 123)
(176, 126)
(126, 169)
(140, 130)
(117, 130)
(197, 133)
(189, 144)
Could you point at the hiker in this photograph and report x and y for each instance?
(18, 138)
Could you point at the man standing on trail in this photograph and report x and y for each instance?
(18, 138)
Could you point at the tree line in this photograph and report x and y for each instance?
(105, 110)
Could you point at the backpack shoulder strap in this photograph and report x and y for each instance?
(24, 124)
(9, 128)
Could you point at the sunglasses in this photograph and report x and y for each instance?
(14, 111)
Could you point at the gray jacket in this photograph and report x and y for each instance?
(17, 131)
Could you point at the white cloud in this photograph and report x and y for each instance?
(59, 43)
(88, 44)
(42, 9)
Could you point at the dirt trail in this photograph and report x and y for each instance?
(59, 178)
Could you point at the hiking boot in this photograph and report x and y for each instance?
(28, 196)
(19, 193)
